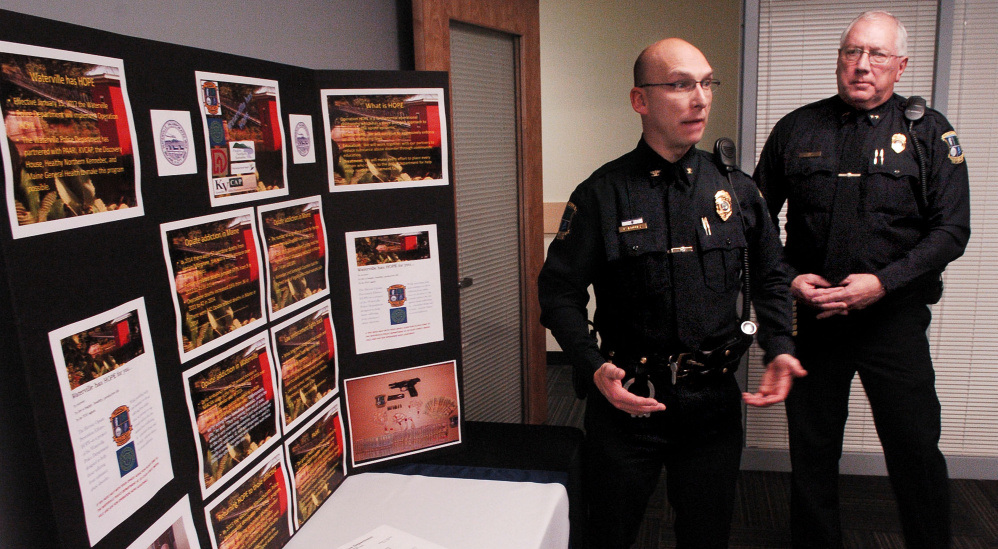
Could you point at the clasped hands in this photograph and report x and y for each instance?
(856, 291)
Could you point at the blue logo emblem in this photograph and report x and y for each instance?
(397, 316)
(127, 460)
(216, 131)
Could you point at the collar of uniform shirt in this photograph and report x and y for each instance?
(874, 115)
(662, 171)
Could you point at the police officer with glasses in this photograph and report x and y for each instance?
(660, 234)
(877, 205)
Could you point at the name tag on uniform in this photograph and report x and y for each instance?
(815, 154)
(632, 225)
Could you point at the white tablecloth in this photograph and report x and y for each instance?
(455, 513)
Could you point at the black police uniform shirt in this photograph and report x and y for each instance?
(906, 246)
(615, 235)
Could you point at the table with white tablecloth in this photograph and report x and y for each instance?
(455, 513)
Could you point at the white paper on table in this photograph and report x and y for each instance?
(387, 537)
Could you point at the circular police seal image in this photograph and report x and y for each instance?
(303, 141)
(127, 459)
(173, 142)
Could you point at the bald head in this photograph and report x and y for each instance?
(669, 95)
(662, 55)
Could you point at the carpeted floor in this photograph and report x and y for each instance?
(762, 512)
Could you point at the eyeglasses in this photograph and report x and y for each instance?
(687, 86)
(853, 55)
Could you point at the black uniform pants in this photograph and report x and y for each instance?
(624, 457)
(888, 346)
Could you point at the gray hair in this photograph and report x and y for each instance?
(901, 34)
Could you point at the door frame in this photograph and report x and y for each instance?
(431, 43)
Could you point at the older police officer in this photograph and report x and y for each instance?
(878, 205)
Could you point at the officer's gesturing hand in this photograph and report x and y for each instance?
(776, 382)
(609, 381)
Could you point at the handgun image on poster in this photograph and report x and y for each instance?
(403, 412)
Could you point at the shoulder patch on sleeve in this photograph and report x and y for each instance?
(565, 226)
(955, 150)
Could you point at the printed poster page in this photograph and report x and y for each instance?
(254, 512)
(174, 530)
(385, 138)
(67, 140)
(244, 134)
(233, 410)
(402, 412)
(294, 237)
(395, 287)
(389, 537)
(315, 456)
(307, 363)
(110, 389)
(214, 267)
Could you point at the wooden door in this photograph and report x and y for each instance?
(433, 21)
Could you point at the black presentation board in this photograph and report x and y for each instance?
(51, 280)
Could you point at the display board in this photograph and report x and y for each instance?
(203, 334)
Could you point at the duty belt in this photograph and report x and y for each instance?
(684, 367)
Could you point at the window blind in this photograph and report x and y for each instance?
(483, 71)
(963, 333)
